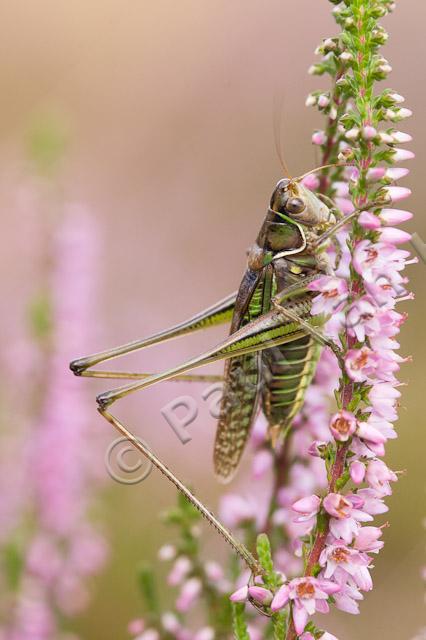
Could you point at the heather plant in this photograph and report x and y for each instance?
(309, 506)
(50, 544)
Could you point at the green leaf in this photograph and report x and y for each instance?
(13, 564)
(147, 587)
(279, 622)
(239, 621)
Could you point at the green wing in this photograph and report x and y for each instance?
(241, 385)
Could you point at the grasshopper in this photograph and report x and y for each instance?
(273, 346)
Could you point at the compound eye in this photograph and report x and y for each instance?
(295, 205)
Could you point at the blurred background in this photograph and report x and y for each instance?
(165, 111)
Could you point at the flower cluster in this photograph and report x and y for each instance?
(360, 298)
(52, 547)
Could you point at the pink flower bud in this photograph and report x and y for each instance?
(400, 137)
(343, 425)
(337, 506)
(367, 539)
(395, 216)
(206, 633)
(136, 626)
(170, 623)
(262, 595)
(319, 138)
(400, 155)
(307, 505)
(396, 173)
(398, 99)
(262, 462)
(369, 132)
(281, 598)
(189, 593)
(367, 432)
(376, 173)
(240, 595)
(393, 235)
(311, 182)
(368, 220)
(357, 471)
(352, 134)
(396, 194)
(323, 101)
(317, 448)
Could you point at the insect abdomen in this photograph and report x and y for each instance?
(287, 373)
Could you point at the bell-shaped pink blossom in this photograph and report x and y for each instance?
(379, 477)
(332, 294)
(343, 425)
(394, 216)
(308, 507)
(361, 364)
(240, 595)
(395, 194)
(357, 471)
(319, 138)
(367, 539)
(260, 594)
(393, 235)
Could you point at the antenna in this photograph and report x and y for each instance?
(277, 123)
(324, 166)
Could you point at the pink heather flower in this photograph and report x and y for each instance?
(189, 593)
(308, 507)
(369, 220)
(170, 622)
(379, 476)
(260, 594)
(346, 514)
(383, 398)
(346, 599)
(149, 634)
(240, 595)
(262, 462)
(357, 471)
(328, 636)
(400, 155)
(393, 235)
(319, 138)
(395, 194)
(372, 260)
(394, 216)
(372, 504)
(206, 633)
(368, 431)
(167, 552)
(136, 626)
(400, 137)
(317, 448)
(309, 595)
(362, 318)
(307, 636)
(323, 101)
(341, 561)
(281, 598)
(311, 182)
(342, 425)
(181, 567)
(345, 205)
(369, 132)
(337, 506)
(333, 293)
(367, 540)
(396, 173)
(361, 364)
(376, 173)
